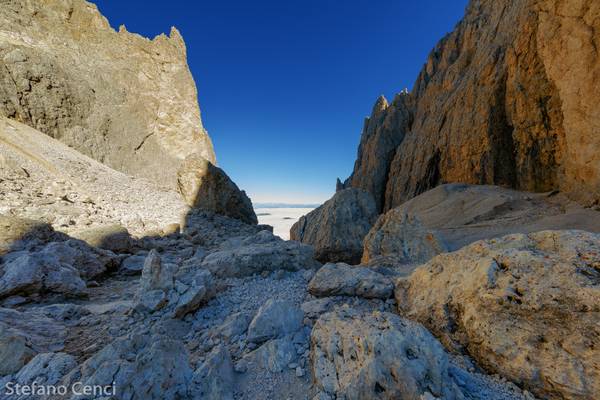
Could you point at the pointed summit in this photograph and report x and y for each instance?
(380, 105)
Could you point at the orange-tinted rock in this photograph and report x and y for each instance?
(509, 98)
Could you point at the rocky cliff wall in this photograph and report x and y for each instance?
(124, 100)
(509, 98)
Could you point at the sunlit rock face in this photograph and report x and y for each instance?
(508, 98)
(126, 101)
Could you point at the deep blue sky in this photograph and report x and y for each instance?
(284, 86)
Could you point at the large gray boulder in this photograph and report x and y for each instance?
(207, 187)
(275, 355)
(523, 306)
(346, 280)
(132, 104)
(140, 367)
(274, 319)
(363, 356)
(214, 380)
(14, 353)
(59, 267)
(25, 334)
(259, 253)
(337, 228)
(46, 369)
(165, 287)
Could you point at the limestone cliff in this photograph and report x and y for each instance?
(124, 100)
(509, 98)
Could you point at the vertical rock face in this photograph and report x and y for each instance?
(337, 228)
(67, 73)
(508, 98)
(382, 133)
(206, 187)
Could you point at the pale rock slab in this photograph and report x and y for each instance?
(362, 356)
(523, 306)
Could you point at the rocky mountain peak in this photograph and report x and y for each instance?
(66, 72)
(492, 106)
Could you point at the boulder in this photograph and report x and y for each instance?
(155, 275)
(362, 356)
(46, 369)
(59, 267)
(33, 274)
(140, 115)
(402, 236)
(314, 308)
(275, 355)
(114, 237)
(523, 306)
(234, 325)
(25, 334)
(213, 380)
(345, 280)
(274, 319)
(18, 233)
(164, 286)
(140, 367)
(14, 354)
(194, 288)
(132, 265)
(259, 253)
(207, 187)
(337, 228)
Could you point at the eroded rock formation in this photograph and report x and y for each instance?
(65, 72)
(524, 306)
(508, 98)
(454, 215)
(207, 187)
(337, 228)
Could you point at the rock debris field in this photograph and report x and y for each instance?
(454, 263)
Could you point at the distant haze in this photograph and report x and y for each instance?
(281, 218)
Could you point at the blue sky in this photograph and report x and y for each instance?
(284, 86)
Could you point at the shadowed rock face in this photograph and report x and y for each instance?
(65, 72)
(382, 133)
(337, 228)
(508, 98)
(206, 187)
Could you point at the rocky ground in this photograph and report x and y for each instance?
(250, 341)
(119, 283)
(45, 180)
(216, 309)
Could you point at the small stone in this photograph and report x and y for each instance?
(299, 372)
(251, 346)
(241, 366)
